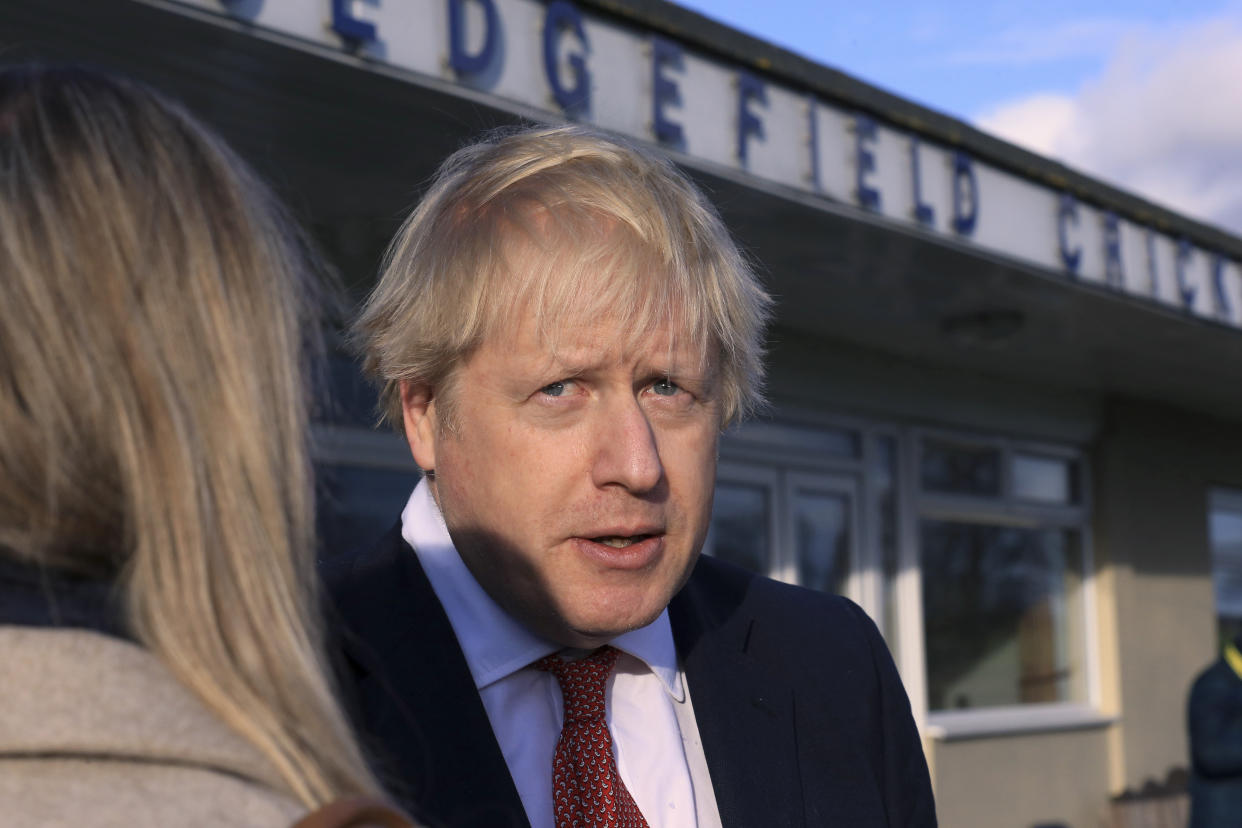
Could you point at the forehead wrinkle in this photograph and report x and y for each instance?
(569, 269)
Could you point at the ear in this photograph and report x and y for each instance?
(418, 407)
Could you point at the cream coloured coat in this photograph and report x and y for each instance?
(95, 733)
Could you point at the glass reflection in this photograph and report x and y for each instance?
(1044, 479)
(357, 505)
(1225, 534)
(741, 515)
(342, 396)
(1003, 610)
(960, 469)
(822, 540)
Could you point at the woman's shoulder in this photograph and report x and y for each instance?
(95, 731)
(103, 792)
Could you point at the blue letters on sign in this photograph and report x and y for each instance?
(1184, 288)
(349, 27)
(864, 137)
(923, 212)
(965, 195)
(665, 92)
(561, 16)
(463, 62)
(245, 9)
(748, 87)
(1114, 275)
(1223, 309)
(1067, 214)
(812, 140)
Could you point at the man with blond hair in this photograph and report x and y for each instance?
(562, 329)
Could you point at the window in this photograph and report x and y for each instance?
(1042, 479)
(1225, 538)
(959, 468)
(1003, 554)
(793, 525)
(823, 525)
(741, 525)
(363, 475)
(356, 504)
(814, 506)
(1003, 615)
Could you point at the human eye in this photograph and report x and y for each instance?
(560, 388)
(665, 387)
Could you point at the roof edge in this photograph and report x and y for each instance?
(834, 86)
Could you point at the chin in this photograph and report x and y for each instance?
(602, 627)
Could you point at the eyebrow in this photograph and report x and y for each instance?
(692, 368)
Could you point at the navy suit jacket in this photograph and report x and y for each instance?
(802, 717)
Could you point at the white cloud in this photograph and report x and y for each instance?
(1042, 123)
(1163, 119)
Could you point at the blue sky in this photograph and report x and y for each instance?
(959, 57)
(1144, 94)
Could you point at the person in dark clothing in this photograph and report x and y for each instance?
(562, 329)
(1214, 715)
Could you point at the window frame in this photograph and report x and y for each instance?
(772, 446)
(1004, 509)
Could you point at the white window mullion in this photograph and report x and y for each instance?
(909, 589)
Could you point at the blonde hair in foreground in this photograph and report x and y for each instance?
(527, 222)
(153, 412)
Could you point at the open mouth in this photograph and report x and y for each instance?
(620, 542)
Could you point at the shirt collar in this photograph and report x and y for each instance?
(494, 643)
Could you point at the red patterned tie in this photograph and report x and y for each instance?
(587, 791)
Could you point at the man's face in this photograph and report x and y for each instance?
(577, 481)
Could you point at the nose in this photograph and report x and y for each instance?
(627, 453)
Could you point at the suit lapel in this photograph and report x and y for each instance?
(420, 704)
(744, 712)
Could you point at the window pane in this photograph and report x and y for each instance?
(822, 538)
(1225, 535)
(741, 515)
(357, 505)
(1044, 479)
(342, 396)
(1004, 615)
(960, 469)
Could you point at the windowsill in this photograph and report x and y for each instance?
(955, 725)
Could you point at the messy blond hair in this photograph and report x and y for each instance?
(615, 228)
(153, 408)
